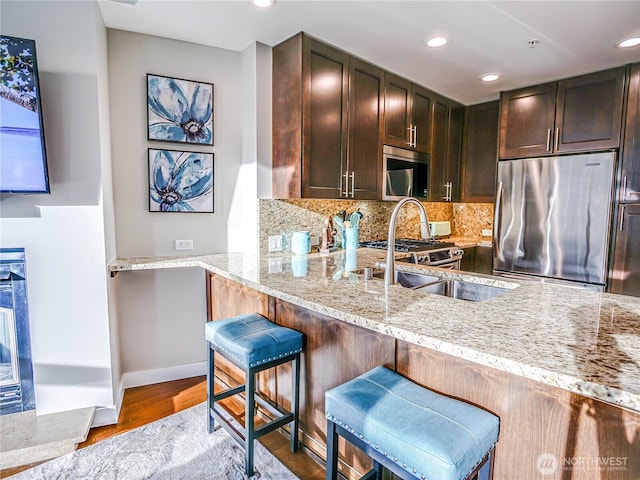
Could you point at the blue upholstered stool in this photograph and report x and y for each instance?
(412, 431)
(254, 344)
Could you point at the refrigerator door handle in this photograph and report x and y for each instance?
(622, 217)
(497, 225)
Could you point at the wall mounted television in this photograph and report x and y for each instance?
(23, 159)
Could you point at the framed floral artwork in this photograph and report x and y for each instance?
(179, 110)
(180, 181)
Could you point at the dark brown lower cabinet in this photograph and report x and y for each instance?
(625, 273)
(536, 420)
(587, 438)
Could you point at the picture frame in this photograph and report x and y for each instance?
(180, 181)
(179, 111)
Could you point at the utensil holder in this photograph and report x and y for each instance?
(351, 238)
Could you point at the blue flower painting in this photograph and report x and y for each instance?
(180, 110)
(180, 181)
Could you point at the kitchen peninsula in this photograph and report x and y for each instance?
(559, 366)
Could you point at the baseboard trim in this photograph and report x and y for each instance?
(168, 374)
(105, 416)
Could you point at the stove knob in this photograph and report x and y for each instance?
(458, 252)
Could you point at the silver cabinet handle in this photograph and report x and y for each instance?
(448, 191)
(557, 138)
(622, 217)
(548, 140)
(413, 135)
(624, 188)
(353, 184)
(346, 184)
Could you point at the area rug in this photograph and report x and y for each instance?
(177, 447)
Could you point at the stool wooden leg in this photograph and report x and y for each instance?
(295, 389)
(332, 451)
(210, 388)
(248, 420)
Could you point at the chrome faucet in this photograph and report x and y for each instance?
(390, 269)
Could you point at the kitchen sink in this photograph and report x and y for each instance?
(460, 289)
(473, 292)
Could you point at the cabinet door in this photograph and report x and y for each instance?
(366, 90)
(480, 152)
(439, 150)
(326, 79)
(446, 147)
(527, 121)
(589, 112)
(421, 100)
(468, 259)
(625, 275)
(397, 101)
(454, 151)
(631, 149)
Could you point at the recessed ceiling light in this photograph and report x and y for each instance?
(629, 42)
(263, 3)
(490, 77)
(436, 41)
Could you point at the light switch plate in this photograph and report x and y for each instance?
(275, 243)
(184, 244)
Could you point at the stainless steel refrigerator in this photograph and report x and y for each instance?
(552, 218)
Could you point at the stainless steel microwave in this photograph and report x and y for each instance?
(405, 174)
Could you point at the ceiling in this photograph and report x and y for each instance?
(575, 37)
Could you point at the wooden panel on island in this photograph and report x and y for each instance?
(545, 432)
(334, 352)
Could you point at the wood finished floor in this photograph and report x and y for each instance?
(142, 405)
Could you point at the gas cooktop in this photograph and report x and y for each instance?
(409, 245)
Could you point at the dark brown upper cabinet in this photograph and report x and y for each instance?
(630, 175)
(407, 120)
(446, 150)
(327, 122)
(480, 152)
(574, 115)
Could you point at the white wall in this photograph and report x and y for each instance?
(65, 239)
(161, 314)
(92, 334)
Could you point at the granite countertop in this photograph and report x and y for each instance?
(586, 342)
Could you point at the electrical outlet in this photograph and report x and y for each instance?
(315, 240)
(275, 265)
(184, 244)
(275, 243)
(487, 232)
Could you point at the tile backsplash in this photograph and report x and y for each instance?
(281, 217)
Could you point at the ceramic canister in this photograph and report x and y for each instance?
(300, 242)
